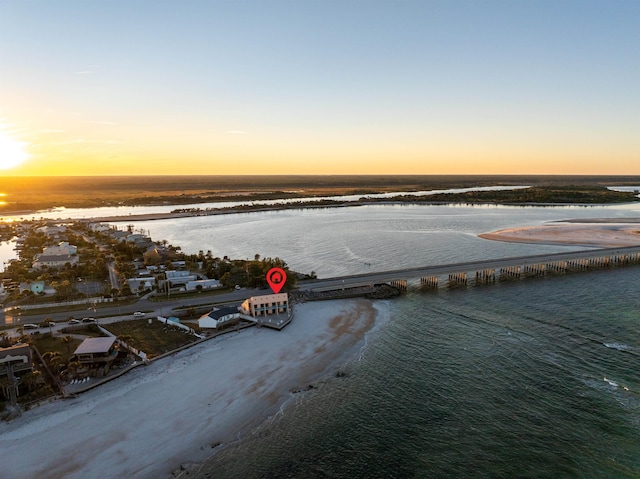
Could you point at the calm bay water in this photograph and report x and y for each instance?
(536, 379)
(337, 241)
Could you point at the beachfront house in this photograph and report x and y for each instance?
(218, 317)
(97, 354)
(266, 305)
(18, 357)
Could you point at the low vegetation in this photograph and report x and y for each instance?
(37, 193)
(153, 338)
(570, 194)
(62, 346)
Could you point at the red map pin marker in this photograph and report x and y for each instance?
(276, 277)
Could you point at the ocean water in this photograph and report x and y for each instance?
(533, 379)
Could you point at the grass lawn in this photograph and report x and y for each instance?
(158, 297)
(154, 339)
(90, 330)
(46, 343)
(75, 308)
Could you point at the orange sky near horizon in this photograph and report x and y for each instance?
(103, 149)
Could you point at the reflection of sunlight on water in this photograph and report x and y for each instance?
(3, 203)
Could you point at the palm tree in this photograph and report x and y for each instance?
(67, 340)
(53, 360)
(72, 368)
(31, 379)
(48, 322)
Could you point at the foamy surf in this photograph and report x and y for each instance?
(618, 346)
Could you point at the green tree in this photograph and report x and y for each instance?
(31, 380)
(67, 340)
(53, 360)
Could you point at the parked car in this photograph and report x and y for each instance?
(30, 326)
(88, 320)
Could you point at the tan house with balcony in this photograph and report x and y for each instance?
(266, 305)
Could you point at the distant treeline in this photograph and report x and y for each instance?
(539, 195)
(570, 194)
(29, 194)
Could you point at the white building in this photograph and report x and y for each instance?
(147, 283)
(54, 261)
(217, 317)
(179, 277)
(51, 230)
(204, 284)
(266, 305)
(99, 227)
(63, 248)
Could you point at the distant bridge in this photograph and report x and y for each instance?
(485, 271)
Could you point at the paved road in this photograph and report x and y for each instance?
(113, 275)
(165, 308)
(150, 308)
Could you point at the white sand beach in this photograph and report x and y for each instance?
(608, 235)
(176, 410)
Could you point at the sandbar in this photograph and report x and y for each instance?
(593, 234)
(181, 409)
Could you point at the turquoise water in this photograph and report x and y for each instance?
(535, 379)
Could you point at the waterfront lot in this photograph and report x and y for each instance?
(151, 336)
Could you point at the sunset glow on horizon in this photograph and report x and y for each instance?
(319, 87)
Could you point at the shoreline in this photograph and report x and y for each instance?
(304, 205)
(207, 396)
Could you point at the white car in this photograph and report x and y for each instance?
(30, 326)
(74, 321)
(138, 314)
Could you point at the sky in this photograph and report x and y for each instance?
(136, 87)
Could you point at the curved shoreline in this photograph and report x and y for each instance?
(208, 395)
(598, 234)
